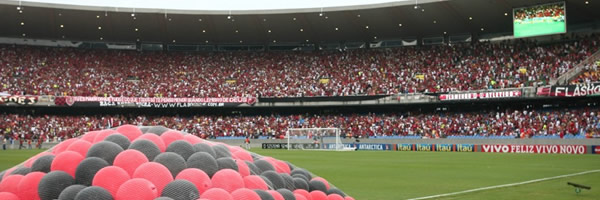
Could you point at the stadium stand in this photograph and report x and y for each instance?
(29, 70)
(546, 123)
(589, 75)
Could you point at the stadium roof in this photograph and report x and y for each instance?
(335, 23)
(223, 6)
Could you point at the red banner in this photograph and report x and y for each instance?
(578, 90)
(71, 100)
(522, 148)
(481, 95)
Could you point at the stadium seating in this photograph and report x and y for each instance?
(460, 67)
(549, 123)
(589, 75)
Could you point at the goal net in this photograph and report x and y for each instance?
(316, 139)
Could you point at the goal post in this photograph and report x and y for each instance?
(316, 139)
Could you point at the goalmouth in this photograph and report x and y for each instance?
(316, 139)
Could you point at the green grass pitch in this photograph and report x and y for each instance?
(382, 175)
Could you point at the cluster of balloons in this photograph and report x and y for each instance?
(148, 163)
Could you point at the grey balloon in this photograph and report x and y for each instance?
(264, 166)
(181, 147)
(287, 194)
(204, 162)
(158, 130)
(70, 192)
(147, 147)
(42, 164)
(264, 195)
(87, 169)
(221, 151)
(317, 185)
(53, 183)
(93, 193)
(22, 171)
(119, 139)
(174, 162)
(181, 190)
(254, 170)
(226, 163)
(300, 183)
(289, 181)
(105, 150)
(334, 190)
(203, 147)
(275, 178)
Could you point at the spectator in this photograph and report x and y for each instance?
(460, 67)
(2, 137)
(515, 123)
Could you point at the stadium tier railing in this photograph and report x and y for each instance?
(575, 71)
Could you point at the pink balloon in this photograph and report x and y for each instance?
(171, 136)
(243, 155)
(31, 160)
(231, 148)
(216, 194)
(130, 131)
(283, 167)
(304, 193)
(243, 168)
(227, 179)
(154, 139)
(11, 183)
(245, 194)
(111, 178)
(137, 189)
(198, 177)
(192, 139)
(276, 195)
(156, 173)
(348, 198)
(300, 197)
(235, 149)
(318, 195)
(60, 147)
(89, 136)
(255, 182)
(280, 166)
(8, 196)
(334, 197)
(103, 134)
(129, 160)
(322, 180)
(28, 186)
(7, 173)
(271, 161)
(80, 146)
(66, 161)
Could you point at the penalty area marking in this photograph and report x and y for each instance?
(506, 185)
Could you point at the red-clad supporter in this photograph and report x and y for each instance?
(516, 123)
(589, 75)
(460, 67)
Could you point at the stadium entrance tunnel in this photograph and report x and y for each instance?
(147, 163)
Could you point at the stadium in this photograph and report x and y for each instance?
(299, 100)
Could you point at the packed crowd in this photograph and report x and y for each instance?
(589, 75)
(551, 10)
(460, 67)
(517, 123)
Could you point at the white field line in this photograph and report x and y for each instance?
(506, 185)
